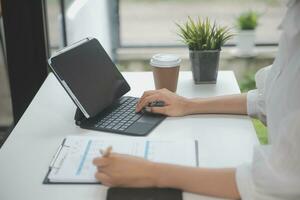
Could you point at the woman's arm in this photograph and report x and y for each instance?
(180, 106)
(129, 171)
(205, 181)
(229, 104)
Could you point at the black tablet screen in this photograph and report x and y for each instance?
(91, 76)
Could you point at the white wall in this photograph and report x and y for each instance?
(89, 18)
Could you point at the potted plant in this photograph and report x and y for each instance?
(246, 24)
(204, 40)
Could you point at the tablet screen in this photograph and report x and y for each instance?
(90, 74)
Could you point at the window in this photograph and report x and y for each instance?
(152, 22)
(72, 20)
(149, 23)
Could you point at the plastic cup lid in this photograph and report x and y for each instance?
(165, 60)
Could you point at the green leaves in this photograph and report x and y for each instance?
(203, 35)
(248, 20)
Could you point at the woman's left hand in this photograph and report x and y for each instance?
(126, 171)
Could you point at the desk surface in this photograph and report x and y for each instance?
(224, 140)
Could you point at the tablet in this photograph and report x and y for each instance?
(89, 76)
(117, 193)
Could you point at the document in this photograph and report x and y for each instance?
(73, 161)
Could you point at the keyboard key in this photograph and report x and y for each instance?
(135, 118)
(118, 126)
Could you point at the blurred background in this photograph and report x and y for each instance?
(132, 31)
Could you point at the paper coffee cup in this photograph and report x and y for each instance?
(165, 71)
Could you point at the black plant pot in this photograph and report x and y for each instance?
(205, 65)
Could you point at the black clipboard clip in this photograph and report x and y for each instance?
(55, 160)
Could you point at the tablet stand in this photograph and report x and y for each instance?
(79, 117)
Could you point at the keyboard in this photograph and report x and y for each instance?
(121, 116)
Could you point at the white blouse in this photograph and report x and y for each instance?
(275, 170)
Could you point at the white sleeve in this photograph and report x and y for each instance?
(275, 169)
(256, 98)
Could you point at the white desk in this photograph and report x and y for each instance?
(224, 140)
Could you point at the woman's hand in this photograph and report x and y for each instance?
(174, 105)
(126, 171)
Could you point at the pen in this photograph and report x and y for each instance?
(107, 152)
(157, 103)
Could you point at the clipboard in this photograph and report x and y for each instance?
(72, 162)
(55, 158)
(58, 158)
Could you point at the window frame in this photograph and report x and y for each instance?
(114, 10)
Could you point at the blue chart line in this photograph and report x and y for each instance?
(87, 148)
(146, 150)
